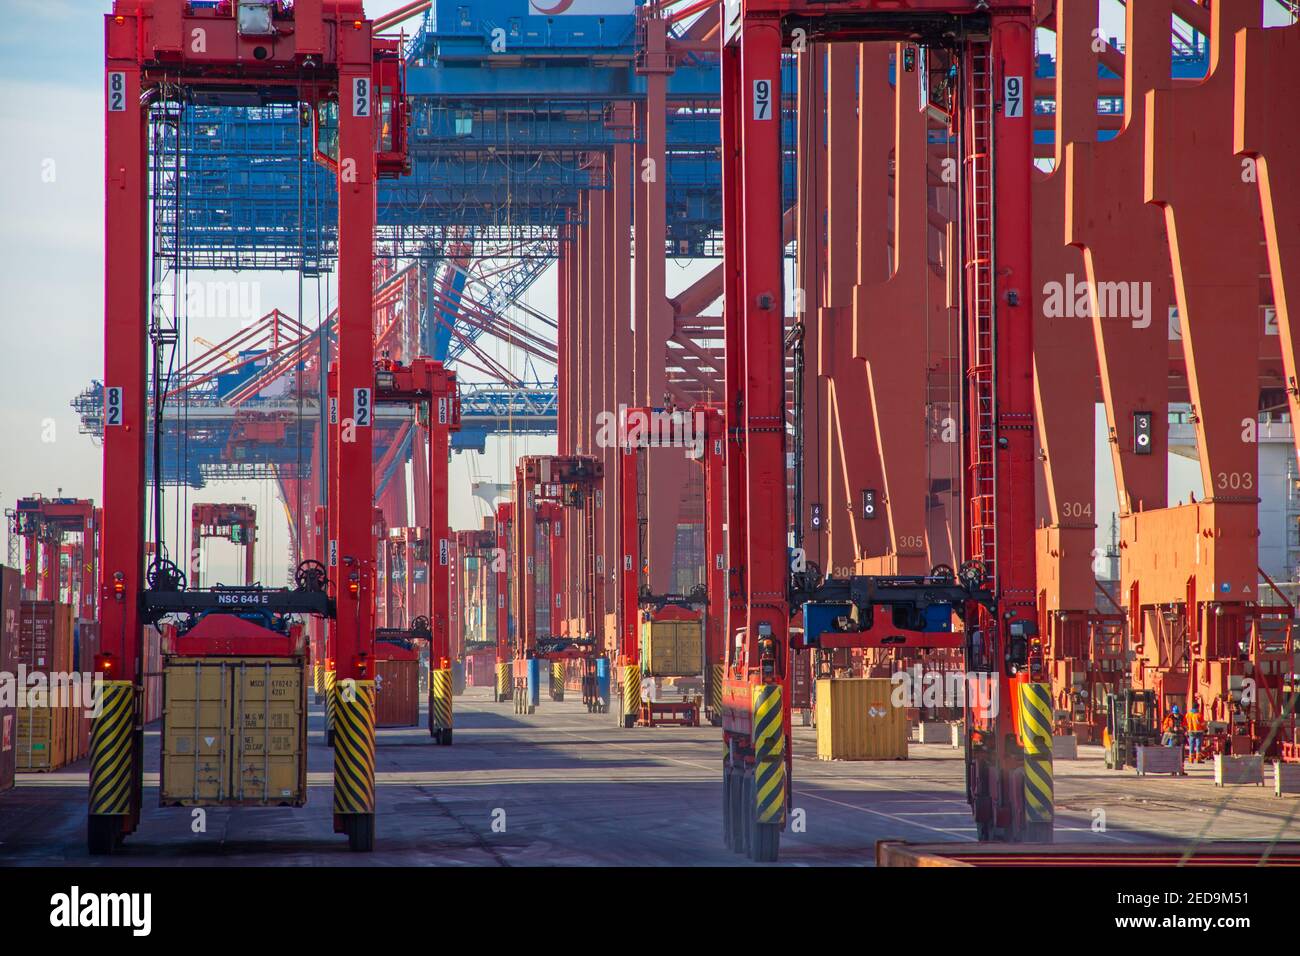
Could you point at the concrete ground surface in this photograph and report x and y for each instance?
(564, 787)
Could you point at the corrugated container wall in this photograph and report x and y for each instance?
(397, 693)
(857, 720)
(234, 731)
(47, 729)
(672, 648)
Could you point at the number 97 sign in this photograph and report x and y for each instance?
(1013, 97)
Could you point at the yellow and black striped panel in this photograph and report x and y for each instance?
(441, 702)
(317, 677)
(715, 688)
(112, 750)
(354, 747)
(768, 737)
(1039, 797)
(769, 725)
(769, 791)
(557, 680)
(330, 680)
(1036, 718)
(504, 683)
(631, 689)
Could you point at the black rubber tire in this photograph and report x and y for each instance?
(747, 814)
(445, 739)
(766, 843)
(1038, 832)
(737, 810)
(361, 832)
(103, 834)
(728, 836)
(762, 840)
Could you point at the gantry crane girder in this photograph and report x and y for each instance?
(1152, 204)
(41, 524)
(236, 523)
(475, 552)
(431, 390)
(687, 434)
(503, 563)
(317, 52)
(993, 44)
(566, 493)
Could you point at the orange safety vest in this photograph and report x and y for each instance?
(1172, 723)
(1195, 723)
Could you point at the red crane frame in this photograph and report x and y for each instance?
(995, 40)
(41, 523)
(320, 49)
(209, 520)
(432, 390)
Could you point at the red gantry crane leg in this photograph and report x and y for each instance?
(501, 568)
(1008, 760)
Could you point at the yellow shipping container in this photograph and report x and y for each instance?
(672, 648)
(42, 738)
(856, 720)
(234, 731)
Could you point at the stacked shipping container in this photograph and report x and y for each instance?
(52, 729)
(10, 609)
(47, 730)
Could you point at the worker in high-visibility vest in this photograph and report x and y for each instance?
(1195, 733)
(1172, 728)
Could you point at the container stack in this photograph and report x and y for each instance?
(47, 725)
(10, 609)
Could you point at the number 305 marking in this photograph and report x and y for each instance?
(117, 92)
